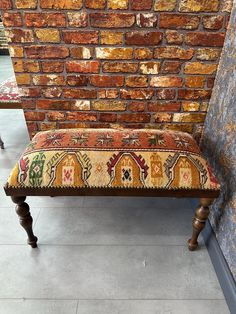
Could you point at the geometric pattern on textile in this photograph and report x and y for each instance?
(9, 91)
(113, 158)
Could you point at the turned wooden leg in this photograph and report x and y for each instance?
(1, 143)
(199, 221)
(26, 221)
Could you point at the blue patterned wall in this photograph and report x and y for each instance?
(219, 145)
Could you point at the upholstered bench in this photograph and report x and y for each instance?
(115, 162)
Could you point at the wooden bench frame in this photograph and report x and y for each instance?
(19, 195)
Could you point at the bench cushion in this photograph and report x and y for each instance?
(107, 158)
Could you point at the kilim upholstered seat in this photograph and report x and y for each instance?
(113, 162)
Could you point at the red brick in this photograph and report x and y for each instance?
(166, 94)
(29, 92)
(112, 20)
(195, 94)
(61, 4)
(205, 39)
(143, 53)
(49, 79)
(81, 52)
(141, 5)
(52, 66)
(28, 104)
(80, 37)
(32, 128)
(213, 22)
(26, 4)
(107, 117)
(210, 82)
(147, 20)
(77, 19)
(106, 81)
(173, 52)
(136, 93)
(20, 65)
(137, 106)
(134, 117)
(80, 93)
(108, 93)
(95, 4)
(19, 36)
(122, 67)
(46, 52)
(77, 80)
(174, 37)
(166, 81)
(44, 19)
(34, 115)
(78, 116)
(5, 4)
(164, 106)
(12, 19)
(56, 116)
(83, 66)
(51, 92)
(136, 81)
(179, 21)
(143, 38)
(162, 117)
(171, 67)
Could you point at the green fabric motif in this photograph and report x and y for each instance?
(36, 170)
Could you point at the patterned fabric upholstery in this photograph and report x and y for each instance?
(113, 158)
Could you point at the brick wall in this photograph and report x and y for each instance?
(107, 63)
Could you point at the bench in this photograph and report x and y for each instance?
(118, 162)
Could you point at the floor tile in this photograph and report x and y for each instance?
(38, 307)
(107, 272)
(115, 225)
(152, 307)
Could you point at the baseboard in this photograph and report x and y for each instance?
(221, 267)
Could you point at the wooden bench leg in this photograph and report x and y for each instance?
(199, 221)
(26, 221)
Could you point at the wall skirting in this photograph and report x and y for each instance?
(221, 267)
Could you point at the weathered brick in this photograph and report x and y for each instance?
(28, 104)
(150, 67)
(143, 53)
(34, 115)
(196, 94)
(80, 93)
(195, 81)
(46, 52)
(204, 106)
(143, 38)
(189, 117)
(51, 92)
(19, 36)
(80, 37)
(52, 66)
(205, 39)
(114, 53)
(166, 94)
(107, 80)
(112, 20)
(5, 4)
(118, 4)
(107, 117)
(44, 19)
(23, 79)
(77, 80)
(95, 4)
(49, 79)
(61, 4)
(147, 20)
(210, 82)
(173, 52)
(200, 68)
(82, 105)
(199, 5)
(164, 106)
(166, 81)
(26, 4)
(226, 6)
(141, 5)
(56, 116)
(108, 105)
(136, 81)
(12, 19)
(179, 21)
(26, 66)
(174, 37)
(79, 116)
(111, 38)
(163, 5)
(137, 106)
(171, 67)
(46, 126)
(208, 54)
(136, 93)
(190, 106)
(16, 51)
(48, 35)
(29, 92)
(162, 117)
(213, 22)
(77, 19)
(108, 93)
(134, 117)
(81, 52)
(83, 66)
(120, 67)
(183, 127)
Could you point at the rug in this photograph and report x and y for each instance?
(9, 91)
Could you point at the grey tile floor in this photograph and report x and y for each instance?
(100, 255)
